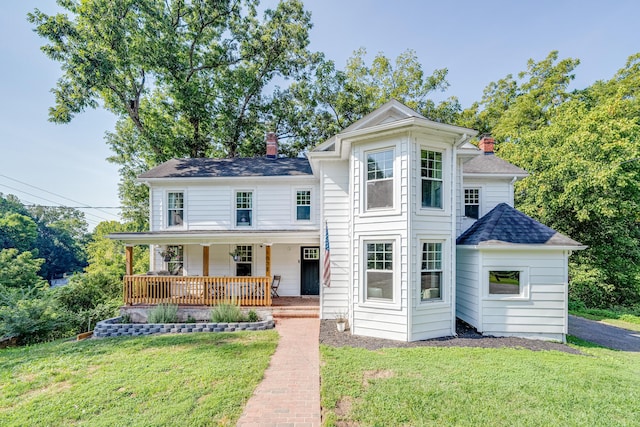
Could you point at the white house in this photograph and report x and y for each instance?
(389, 195)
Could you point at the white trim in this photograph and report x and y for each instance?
(446, 288)
(524, 278)
(396, 301)
(395, 180)
(294, 209)
(480, 189)
(165, 210)
(521, 247)
(234, 208)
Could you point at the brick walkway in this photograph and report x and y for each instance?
(289, 395)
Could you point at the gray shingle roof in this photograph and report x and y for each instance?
(506, 225)
(227, 168)
(491, 164)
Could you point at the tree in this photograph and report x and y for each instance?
(17, 231)
(185, 79)
(62, 233)
(20, 270)
(582, 154)
(333, 99)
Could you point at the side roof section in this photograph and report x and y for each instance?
(505, 225)
(229, 168)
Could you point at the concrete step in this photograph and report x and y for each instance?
(296, 312)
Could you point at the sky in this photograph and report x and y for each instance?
(478, 42)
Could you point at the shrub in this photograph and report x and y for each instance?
(252, 316)
(227, 313)
(588, 286)
(163, 313)
(30, 315)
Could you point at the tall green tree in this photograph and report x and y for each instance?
(185, 78)
(331, 99)
(581, 150)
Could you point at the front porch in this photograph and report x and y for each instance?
(197, 290)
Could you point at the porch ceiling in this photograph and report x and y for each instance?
(203, 237)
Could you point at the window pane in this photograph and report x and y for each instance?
(380, 194)
(243, 269)
(380, 165)
(431, 193)
(379, 275)
(504, 282)
(472, 211)
(431, 164)
(303, 213)
(379, 285)
(430, 285)
(243, 217)
(472, 203)
(175, 208)
(243, 199)
(175, 217)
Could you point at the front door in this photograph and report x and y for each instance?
(310, 271)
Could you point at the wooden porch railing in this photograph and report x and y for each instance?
(255, 291)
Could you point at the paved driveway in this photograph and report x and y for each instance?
(604, 335)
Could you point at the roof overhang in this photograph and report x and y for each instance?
(222, 179)
(518, 176)
(202, 237)
(501, 246)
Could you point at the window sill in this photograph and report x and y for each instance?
(380, 304)
(501, 298)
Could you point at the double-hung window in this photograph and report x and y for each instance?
(175, 208)
(303, 205)
(244, 208)
(472, 203)
(379, 180)
(431, 173)
(379, 270)
(431, 271)
(245, 260)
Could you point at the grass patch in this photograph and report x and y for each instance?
(477, 386)
(627, 318)
(192, 379)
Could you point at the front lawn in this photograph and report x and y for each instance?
(164, 380)
(425, 386)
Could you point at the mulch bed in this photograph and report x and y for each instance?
(467, 337)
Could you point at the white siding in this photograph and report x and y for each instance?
(210, 205)
(382, 320)
(434, 318)
(544, 314)
(468, 286)
(335, 211)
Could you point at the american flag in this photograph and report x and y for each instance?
(326, 275)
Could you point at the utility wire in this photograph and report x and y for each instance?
(52, 201)
(55, 194)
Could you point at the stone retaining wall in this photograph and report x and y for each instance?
(113, 328)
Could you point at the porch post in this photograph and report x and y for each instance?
(268, 260)
(205, 260)
(128, 251)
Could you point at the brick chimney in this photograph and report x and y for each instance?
(486, 144)
(272, 145)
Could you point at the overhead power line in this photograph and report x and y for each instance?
(52, 201)
(57, 195)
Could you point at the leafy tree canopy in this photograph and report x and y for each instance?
(581, 149)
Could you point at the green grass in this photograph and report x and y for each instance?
(426, 386)
(165, 380)
(621, 317)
